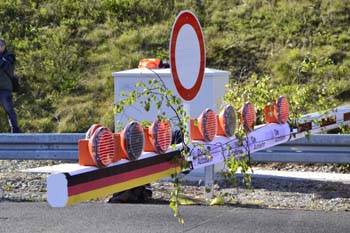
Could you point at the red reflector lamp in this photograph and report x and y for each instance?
(206, 128)
(98, 147)
(248, 116)
(132, 141)
(101, 147)
(158, 136)
(226, 121)
(277, 112)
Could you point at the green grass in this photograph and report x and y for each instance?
(67, 50)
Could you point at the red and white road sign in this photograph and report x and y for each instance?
(187, 55)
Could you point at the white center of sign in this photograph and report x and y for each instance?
(187, 56)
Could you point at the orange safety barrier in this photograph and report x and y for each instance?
(150, 63)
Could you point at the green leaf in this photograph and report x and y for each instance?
(185, 201)
(182, 220)
(217, 201)
(147, 106)
(158, 104)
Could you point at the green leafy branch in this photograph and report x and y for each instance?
(155, 92)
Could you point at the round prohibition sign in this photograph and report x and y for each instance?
(187, 55)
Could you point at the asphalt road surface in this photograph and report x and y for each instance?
(128, 218)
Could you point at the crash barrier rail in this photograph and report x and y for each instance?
(40, 146)
(319, 148)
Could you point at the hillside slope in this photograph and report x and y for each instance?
(67, 50)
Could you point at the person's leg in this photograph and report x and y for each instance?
(7, 103)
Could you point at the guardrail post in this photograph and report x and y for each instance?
(209, 182)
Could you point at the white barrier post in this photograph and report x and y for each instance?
(209, 182)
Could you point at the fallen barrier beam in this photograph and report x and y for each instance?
(87, 182)
(82, 184)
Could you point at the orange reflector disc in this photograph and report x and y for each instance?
(101, 147)
(248, 116)
(207, 124)
(160, 131)
(282, 109)
(132, 139)
(227, 120)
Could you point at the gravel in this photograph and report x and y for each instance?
(306, 167)
(16, 186)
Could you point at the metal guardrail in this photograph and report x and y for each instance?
(320, 148)
(49, 146)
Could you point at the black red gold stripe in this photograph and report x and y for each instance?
(100, 182)
(122, 168)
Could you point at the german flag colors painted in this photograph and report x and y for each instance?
(64, 189)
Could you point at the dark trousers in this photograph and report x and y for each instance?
(7, 103)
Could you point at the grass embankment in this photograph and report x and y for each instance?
(67, 50)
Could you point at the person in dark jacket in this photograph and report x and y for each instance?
(7, 66)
